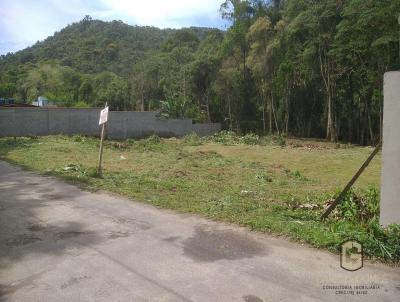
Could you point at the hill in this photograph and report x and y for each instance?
(92, 62)
(93, 46)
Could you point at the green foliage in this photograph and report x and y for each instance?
(92, 62)
(7, 90)
(152, 143)
(250, 139)
(296, 174)
(224, 137)
(296, 67)
(184, 37)
(279, 140)
(359, 207)
(79, 138)
(381, 242)
(81, 104)
(77, 172)
(178, 107)
(231, 138)
(192, 139)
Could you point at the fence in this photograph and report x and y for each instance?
(121, 124)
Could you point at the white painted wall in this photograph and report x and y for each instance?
(390, 182)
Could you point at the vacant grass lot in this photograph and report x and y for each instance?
(267, 184)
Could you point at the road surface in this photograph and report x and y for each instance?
(60, 243)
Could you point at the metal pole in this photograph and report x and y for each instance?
(101, 150)
(101, 147)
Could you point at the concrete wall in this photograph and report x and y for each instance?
(121, 124)
(390, 186)
(206, 129)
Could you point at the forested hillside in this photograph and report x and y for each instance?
(291, 67)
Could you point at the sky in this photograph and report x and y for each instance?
(24, 22)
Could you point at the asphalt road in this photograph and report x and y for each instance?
(59, 243)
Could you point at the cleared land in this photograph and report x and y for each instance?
(266, 187)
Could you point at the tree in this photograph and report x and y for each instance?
(298, 67)
(236, 44)
(112, 89)
(260, 36)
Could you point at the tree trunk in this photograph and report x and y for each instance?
(270, 118)
(274, 113)
(208, 109)
(287, 105)
(380, 120)
(371, 132)
(184, 86)
(326, 76)
(230, 113)
(359, 122)
(311, 113)
(287, 115)
(142, 102)
(263, 118)
(329, 125)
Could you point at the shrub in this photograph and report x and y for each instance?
(250, 139)
(357, 207)
(225, 137)
(154, 139)
(192, 139)
(231, 138)
(79, 138)
(151, 143)
(381, 242)
(279, 140)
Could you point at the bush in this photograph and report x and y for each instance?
(81, 104)
(224, 137)
(361, 211)
(378, 242)
(76, 170)
(151, 143)
(231, 138)
(383, 242)
(357, 207)
(154, 139)
(192, 139)
(250, 139)
(279, 140)
(78, 138)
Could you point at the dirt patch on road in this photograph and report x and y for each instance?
(208, 245)
(251, 298)
(70, 234)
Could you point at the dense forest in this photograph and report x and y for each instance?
(290, 67)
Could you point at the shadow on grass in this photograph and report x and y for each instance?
(8, 144)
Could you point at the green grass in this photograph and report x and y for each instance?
(267, 184)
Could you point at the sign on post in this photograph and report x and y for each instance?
(102, 122)
(103, 116)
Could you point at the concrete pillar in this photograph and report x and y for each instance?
(390, 181)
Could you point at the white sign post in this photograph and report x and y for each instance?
(103, 116)
(102, 121)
